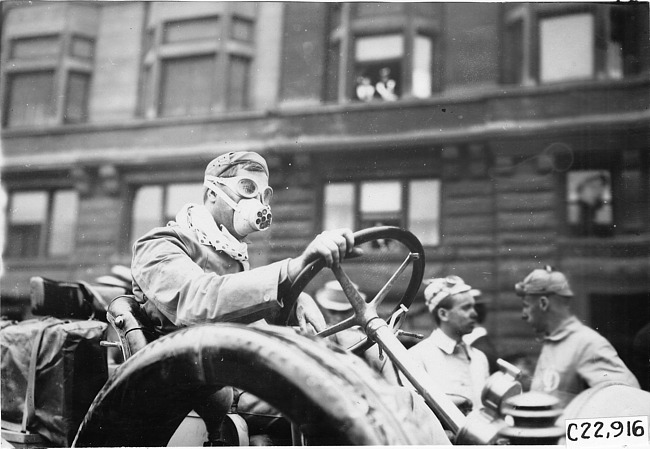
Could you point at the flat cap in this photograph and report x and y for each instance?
(441, 288)
(220, 164)
(544, 281)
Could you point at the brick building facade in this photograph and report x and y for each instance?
(495, 118)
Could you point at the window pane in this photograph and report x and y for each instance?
(422, 67)
(633, 209)
(27, 217)
(28, 207)
(239, 82)
(63, 227)
(339, 206)
(31, 99)
(77, 98)
(180, 194)
(589, 202)
(147, 211)
(82, 47)
(567, 47)
(35, 47)
(381, 196)
(242, 29)
(187, 86)
(513, 57)
(390, 46)
(424, 211)
(189, 30)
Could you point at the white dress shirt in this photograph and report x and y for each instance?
(455, 366)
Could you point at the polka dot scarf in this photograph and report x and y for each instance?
(196, 219)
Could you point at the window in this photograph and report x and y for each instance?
(42, 223)
(31, 99)
(242, 29)
(35, 95)
(414, 205)
(191, 30)
(35, 47)
(82, 47)
(608, 194)
(589, 199)
(381, 66)
(378, 67)
(239, 76)
(155, 205)
(76, 106)
(566, 47)
(187, 86)
(197, 67)
(553, 43)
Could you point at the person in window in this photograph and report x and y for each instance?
(574, 357)
(365, 89)
(460, 369)
(591, 203)
(195, 270)
(385, 87)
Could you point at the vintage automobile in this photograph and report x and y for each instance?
(327, 394)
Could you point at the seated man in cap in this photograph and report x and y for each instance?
(459, 369)
(574, 357)
(195, 270)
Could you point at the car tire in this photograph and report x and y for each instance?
(332, 395)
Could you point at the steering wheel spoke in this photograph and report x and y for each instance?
(338, 327)
(381, 295)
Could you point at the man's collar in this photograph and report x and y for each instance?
(567, 327)
(443, 341)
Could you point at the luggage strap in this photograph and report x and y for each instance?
(29, 409)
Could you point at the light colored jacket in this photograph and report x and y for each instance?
(576, 357)
(181, 282)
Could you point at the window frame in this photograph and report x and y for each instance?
(345, 27)
(63, 65)
(45, 233)
(404, 214)
(614, 163)
(138, 183)
(223, 47)
(530, 16)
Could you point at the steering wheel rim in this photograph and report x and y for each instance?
(403, 236)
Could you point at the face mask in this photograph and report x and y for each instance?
(250, 214)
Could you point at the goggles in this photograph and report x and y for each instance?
(245, 187)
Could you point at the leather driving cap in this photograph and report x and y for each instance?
(544, 282)
(222, 163)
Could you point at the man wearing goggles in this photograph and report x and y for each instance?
(195, 270)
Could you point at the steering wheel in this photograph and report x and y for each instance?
(364, 312)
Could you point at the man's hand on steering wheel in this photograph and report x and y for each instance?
(332, 246)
